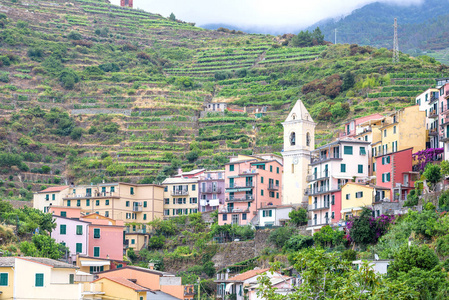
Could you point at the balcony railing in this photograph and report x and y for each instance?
(179, 192)
(137, 208)
(273, 187)
(316, 222)
(322, 189)
(316, 160)
(433, 132)
(90, 195)
(233, 210)
(238, 186)
(317, 206)
(433, 113)
(314, 177)
(240, 199)
(212, 190)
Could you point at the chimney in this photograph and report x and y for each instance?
(151, 266)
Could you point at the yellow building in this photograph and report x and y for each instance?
(37, 278)
(121, 288)
(355, 196)
(180, 196)
(51, 196)
(403, 129)
(137, 203)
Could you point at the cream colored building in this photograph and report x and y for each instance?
(180, 196)
(37, 278)
(42, 200)
(354, 197)
(299, 140)
(131, 203)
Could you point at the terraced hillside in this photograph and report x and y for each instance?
(92, 92)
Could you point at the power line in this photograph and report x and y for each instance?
(395, 42)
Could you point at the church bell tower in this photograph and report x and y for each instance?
(299, 141)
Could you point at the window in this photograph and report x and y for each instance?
(307, 139)
(193, 187)
(267, 213)
(144, 216)
(261, 192)
(360, 169)
(68, 202)
(385, 160)
(144, 203)
(106, 202)
(112, 189)
(374, 167)
(71, 278)
(87, 202)
(133, 241)
(166, 212)
(131, 190)
(277, 170)
(333, 215)
(106, 214)
(293, 168)
(47, 197)
(96, 233)
(79, 229)
(127, 203)
(271, 168)
(277, 195)
(359, 194)
(333, 200)
(39, 282)
(394, 129)
(231, 168)
(271, 194)
(362, 151)
(167, 200)
(78, 202)
(96, 269)
(292, 139)
(63, 214)
(348, 196)
(96, 251)
(385, 132)
(62, 229)
(386, 177)
(53, 197)
(343, 168)
(166, 189)
(79, 247)
(347, 150)
(225, 217)
(97, 202)
(3, 279)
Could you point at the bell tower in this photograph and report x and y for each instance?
(299, 140)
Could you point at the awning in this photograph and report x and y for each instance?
(238, 190)
(342, 177)
(94, 263)
(346, 210)
(228, 287)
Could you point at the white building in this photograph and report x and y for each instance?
(276, 215)
(51, 196)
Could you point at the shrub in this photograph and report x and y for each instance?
(327, 237)
(298, 217)
(75, 35)
(68, 78)
(45, 169)
(4, 77)
(156, 242)
(281, 235)
(298, 242)
(76, 133)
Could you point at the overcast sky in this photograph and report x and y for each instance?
(258, 13)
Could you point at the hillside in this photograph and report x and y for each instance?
(92, 92)
(421, 28)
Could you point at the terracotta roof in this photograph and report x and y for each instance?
(54, 189)
(248, 274)
(126, 282)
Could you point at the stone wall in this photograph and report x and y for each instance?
(96, 111)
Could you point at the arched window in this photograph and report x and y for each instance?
(308, 139)
(294, 116)
(292, 139)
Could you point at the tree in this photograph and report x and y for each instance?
(298, 217)
(303, 39)
(318, 36)
(43, 246)
(298, 242)
(348, 81)
(281, 235)
(327, 237)
(172, 17)
(412, 198)
(432, 173)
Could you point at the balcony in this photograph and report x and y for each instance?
(137, 208)
(433, 132)
(433, 114)
(316, 222)
(91, 195)
(433, 98)
(321, 159)
(273, 187)
(248, 172)
(317, 206)
(246, 198)
(314, 177)
(321, 190)
(233, 210)
(209, 202)
(140, 230)
(179, 193)
(212, 190)
(248, 185)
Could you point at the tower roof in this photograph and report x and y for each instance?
(299, 112)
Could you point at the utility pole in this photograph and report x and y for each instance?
(395, 42)
(335, 40)
(199, 288)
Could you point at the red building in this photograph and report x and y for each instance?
(394, 171)
(126, 3)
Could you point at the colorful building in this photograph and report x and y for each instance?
(160, 283)
(42, 200)
(331, 167)
(394, 171)
(427, 103)
(37, 278)
(299, 140)
(354, 197)
(180, 196)
(137, 203)
(274, 215)
(211, 187)
(252, 182)
(121, 288)
(91, 235)
(94, 265)
(354, 127)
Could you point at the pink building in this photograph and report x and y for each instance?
(394, 171)
(92, 235)
(251, 182)
(352, 127)
(191, 174)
